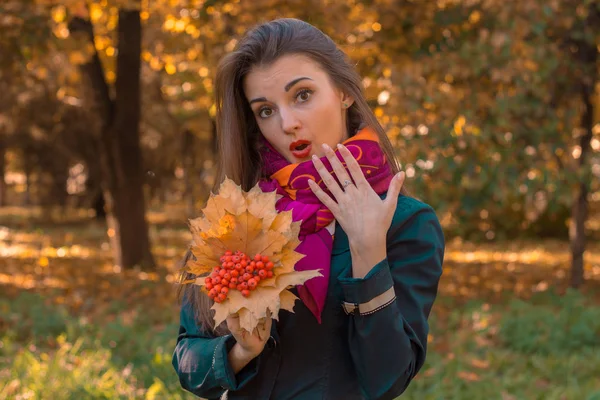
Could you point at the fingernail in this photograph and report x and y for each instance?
(326, 147)
(340, 146)
(314, 157)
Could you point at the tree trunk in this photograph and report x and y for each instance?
(2, 172)
(587, 56)
(580, 202)
(188, 155)
(120, 151)
(577, 235)
(59, 192)
(27, 170)
(129, 187)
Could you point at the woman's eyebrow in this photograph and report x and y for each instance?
(287, 89)
(257, 100)
(292, 83)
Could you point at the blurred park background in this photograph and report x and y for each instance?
(107, 146)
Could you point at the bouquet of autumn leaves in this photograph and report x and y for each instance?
(245, 255)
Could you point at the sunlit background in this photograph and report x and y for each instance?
(493, 108)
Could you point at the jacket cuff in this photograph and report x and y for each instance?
(224, 374)
(362, 290)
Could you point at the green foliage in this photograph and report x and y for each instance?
(31, 318)
(568, 326)
(66, 357)
(546, 348)
(71, 372)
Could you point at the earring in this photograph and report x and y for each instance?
(345, 105)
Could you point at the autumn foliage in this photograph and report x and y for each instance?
(236, 222)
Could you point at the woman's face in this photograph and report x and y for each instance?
(297, 107)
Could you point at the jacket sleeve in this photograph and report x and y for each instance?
(201, 360)
(388, 344)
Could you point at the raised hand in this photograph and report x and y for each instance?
(363, 215)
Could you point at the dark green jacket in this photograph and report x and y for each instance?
(347, 357)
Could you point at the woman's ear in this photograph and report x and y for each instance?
(347, 100)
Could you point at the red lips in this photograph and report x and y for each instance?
(301, 148)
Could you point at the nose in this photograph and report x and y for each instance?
(289, 121)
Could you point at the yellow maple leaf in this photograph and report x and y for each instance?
(263, 300)
(234, 220)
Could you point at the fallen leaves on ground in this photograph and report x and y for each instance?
(83, 277)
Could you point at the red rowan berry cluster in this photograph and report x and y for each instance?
(237, 272)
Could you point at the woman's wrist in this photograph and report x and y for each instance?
(366, 255)
(239, 357)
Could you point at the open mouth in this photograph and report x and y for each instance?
(301, 148)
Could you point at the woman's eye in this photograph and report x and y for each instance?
(265, 113)
(304, 95)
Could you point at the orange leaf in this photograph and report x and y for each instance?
(468, 376)
(262, 205)
(482, 364)
(263, 299)
(249, 222)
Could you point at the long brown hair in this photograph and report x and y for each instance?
(237, 131)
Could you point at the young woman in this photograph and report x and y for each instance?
(292, 116)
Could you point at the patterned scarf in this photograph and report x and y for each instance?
(291, 181)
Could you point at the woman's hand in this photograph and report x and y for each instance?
(358, 208)
(248, 345)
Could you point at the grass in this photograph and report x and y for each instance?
(547, 349)
(47, 353)
(74, 327)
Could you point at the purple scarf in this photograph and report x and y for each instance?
(291, 181)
